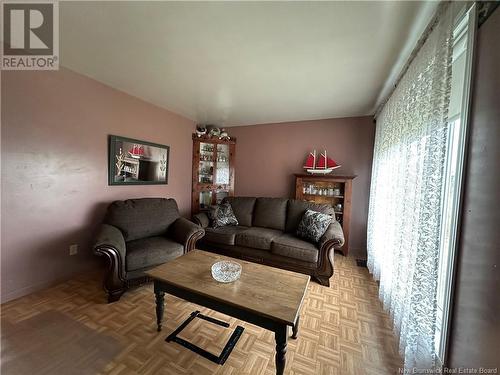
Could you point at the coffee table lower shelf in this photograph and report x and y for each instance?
(228, 348)
(280, 329)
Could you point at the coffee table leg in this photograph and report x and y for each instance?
(160, 298)
(295, 328)
(281, 336)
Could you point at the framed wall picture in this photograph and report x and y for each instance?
(135, 162)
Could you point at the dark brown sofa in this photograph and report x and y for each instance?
(138, 234)
(266, 234)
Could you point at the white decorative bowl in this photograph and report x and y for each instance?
(226, 271)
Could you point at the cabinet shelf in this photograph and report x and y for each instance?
(324, 196)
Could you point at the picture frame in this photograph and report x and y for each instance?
(136, 162)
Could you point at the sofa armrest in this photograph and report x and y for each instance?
(110, 244)
(186, 233)
(331, 239)
(201, 219)
(334, 236)
(110, 236)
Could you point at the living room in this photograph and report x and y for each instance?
(340, 155)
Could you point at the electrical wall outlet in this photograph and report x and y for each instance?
(73, 249)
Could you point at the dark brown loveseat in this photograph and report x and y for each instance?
(138, 234)
(267, 234)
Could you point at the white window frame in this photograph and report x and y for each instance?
(466, 25)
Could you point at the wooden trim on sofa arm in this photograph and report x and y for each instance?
(115, 283)
(325, 262)
(191, 242)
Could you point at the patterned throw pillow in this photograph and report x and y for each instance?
(313, 225)
(222, 215)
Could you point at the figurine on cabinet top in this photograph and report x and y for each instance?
(211, 131)
(224, 135)
(214, 132)
(201, 130)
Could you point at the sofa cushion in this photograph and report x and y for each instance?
(296, 210)
(290, 246)
(152, 251)
(313, 225)
(270, 213)
(140, 218)
(242, 208)
(223, 235)
(257, 238)
(222, 215)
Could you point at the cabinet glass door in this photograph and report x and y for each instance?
(205, 200)
(222, 166)
(206, 167)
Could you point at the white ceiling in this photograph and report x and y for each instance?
(238, 63)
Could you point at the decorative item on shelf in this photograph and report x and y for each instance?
(338, 207)
(207, 148)
(213, 131)
(226, 271)
(336, 192)
(222, 159)
(201, 130)
(319, 164)
(224, 135)
(206, 158)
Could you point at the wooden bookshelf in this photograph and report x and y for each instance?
(335, 190)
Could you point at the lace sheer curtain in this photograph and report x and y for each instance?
(406, 195)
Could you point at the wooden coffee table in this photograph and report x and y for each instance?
(267, 297)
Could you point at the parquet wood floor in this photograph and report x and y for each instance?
(344, 331)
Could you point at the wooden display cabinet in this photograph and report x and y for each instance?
(213, 171)
(335, 190)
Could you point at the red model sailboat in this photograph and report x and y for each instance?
(136, 151)
(319, 164)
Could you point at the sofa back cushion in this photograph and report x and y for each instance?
(243, 209)
(270, 213)
(296, 210)
(141, 218)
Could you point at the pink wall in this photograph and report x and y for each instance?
(54, 170)
(268, 155)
